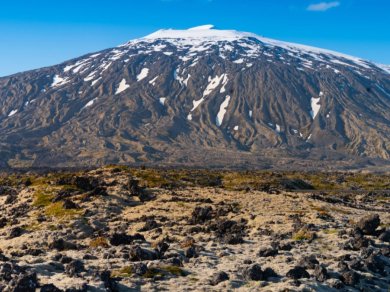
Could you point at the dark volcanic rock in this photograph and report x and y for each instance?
(68, 204)
(357, 242)
(191, 252)
(138, 253)
(296, 184)
(350, 278)
(60, 244)
(320, 273)
(229, 231)
(74, 268)
(150, 225)
(201, 214)
(253, 273)
(161, 248)
(85, 183)
(61, 195)
(218, 278)
(15, 232)
(3, 222)
(109, 283)
(298, 273)
(369, 224)
(308, 262)
(125, 239)
(50, 288)
(139, 269)
(375, 264)
(269, 273)
(267, 252)
(26, 283)
(385, 236)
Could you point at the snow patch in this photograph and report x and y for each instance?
(196, 103)
(122, 86)
(185, 82)
(144, 73)
(162, 100)
(12, 113)
(385, 68)
(96, 81)
(59, 81)
(213, 83)
(315, 106)
(153, 81)
(224, 83)
(90, 103)
(222, 111)
(235, 128)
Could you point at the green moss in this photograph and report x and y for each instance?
(153, 273)
(57, 210)
(330, 231)
(124, 272)
(42, 198)
(303, 234)
(98, 242)
(174, 271)
(33, 227)
(52, 227)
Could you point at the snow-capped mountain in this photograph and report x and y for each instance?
(200, 96)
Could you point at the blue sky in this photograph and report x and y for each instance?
(39, 33)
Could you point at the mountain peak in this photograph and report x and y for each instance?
(208, 34)
(203, 27)
(199, 32)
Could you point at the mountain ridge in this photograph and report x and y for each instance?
(174, 93)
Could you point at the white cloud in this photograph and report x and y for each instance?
(323, 6)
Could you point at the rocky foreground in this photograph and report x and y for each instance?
(118, 229)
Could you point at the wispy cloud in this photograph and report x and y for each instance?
(323, 6)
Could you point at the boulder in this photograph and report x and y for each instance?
(125, 239)
(26, 283)
(201, 214)
(350, 278)
(369, 224)
(320, 273)
(138, 253)
(109, 282)
(140, 269)
(218, 278)
(50, 288)
(60, 245)
(74, 268)
(267, 252)
(297, 273)
(253, 273)
(15, 232)
(385, 236)
(309, 262)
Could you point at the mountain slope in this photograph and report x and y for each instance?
(198, 97)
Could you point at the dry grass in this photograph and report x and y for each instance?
(99, 242)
